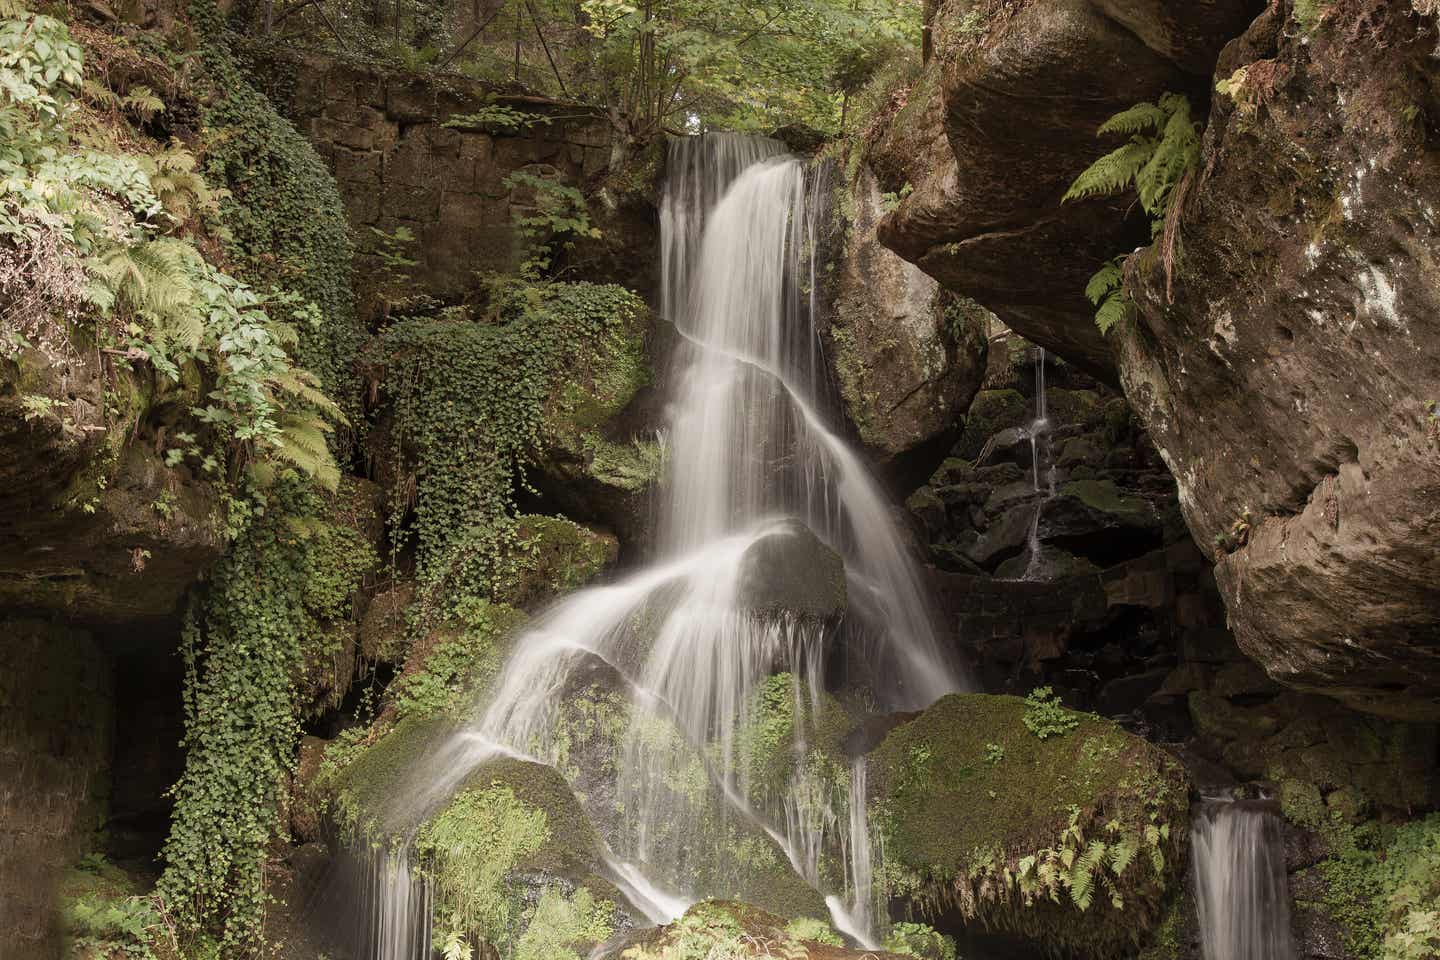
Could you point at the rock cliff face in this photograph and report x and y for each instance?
(1284, 370)
(1015, 91)
(1291, 383)
(907, 355)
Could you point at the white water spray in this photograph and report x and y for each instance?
(1241, 892)
(751, 454)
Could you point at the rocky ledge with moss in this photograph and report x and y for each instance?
(1019, 816)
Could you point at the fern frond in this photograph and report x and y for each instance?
(1113, 172)
(153, 280)
(302, 384)
(1105, 281)
(143, 102)
(1111, 312)
(1122, 854)
(1141, 117)
(302, 444)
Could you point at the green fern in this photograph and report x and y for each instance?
(150, 282)
(1106, 290)
(1164, 148)
(304, 445)
(1164, 145)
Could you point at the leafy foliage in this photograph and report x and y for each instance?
(1163, 151)
(1106, 291)
(473, 403)
(469, 848)
(289, 573)
(1046, 716)
(920, 940)
(287, 225)
(1164, 145)
(652, 64)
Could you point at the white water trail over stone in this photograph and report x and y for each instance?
(1040, 452)
(750, 456)
(1241, 892)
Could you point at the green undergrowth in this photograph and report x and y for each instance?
(456, 659)
(1073, 828)
(512, 860)
(111, 237)
(286, 222)
(1380, 881)
(476, 399)
(290, 573)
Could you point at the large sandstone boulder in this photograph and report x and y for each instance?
(908, 356)
(1291, 383)
(1002, 122)
(93, 524)
(990, 810)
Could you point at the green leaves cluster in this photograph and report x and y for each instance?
(276, 588)
(473, 401)
(469, 848)
(99, 236)
(1164, 146)
(1046, 716)
(286, 223)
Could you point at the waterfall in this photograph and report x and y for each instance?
(1241, 894)
(752, 454)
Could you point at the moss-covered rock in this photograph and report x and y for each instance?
(552, 556)
(991, 412)
(97, 526)
(1071, 841)
(726, 928)
(907, 356)
(513, 862)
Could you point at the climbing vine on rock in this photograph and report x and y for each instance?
(285, 217)
(474, 400)
(244, 644)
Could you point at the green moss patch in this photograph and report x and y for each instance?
(1073, 839)
(551, 556)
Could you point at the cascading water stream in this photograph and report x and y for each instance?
(1039, 434)
(750, 454)
(1241, 893)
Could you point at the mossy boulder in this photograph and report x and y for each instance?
(991, 412)
(599, 454)
(552, 556)
(791, 572)
(515, 864)
(906, 355)
(1027, 836)
(727, 928)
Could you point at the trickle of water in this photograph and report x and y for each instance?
(750, 453)
(1241, 891)
(1039, 434)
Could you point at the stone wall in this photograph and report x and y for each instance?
(398, 165)
(56, 691)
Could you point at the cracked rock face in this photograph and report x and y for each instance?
(1289, 385)
(1003, 121)
(908, 356)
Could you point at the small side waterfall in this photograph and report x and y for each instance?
(1241, 893)
(753, 460)
(1042, 463)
